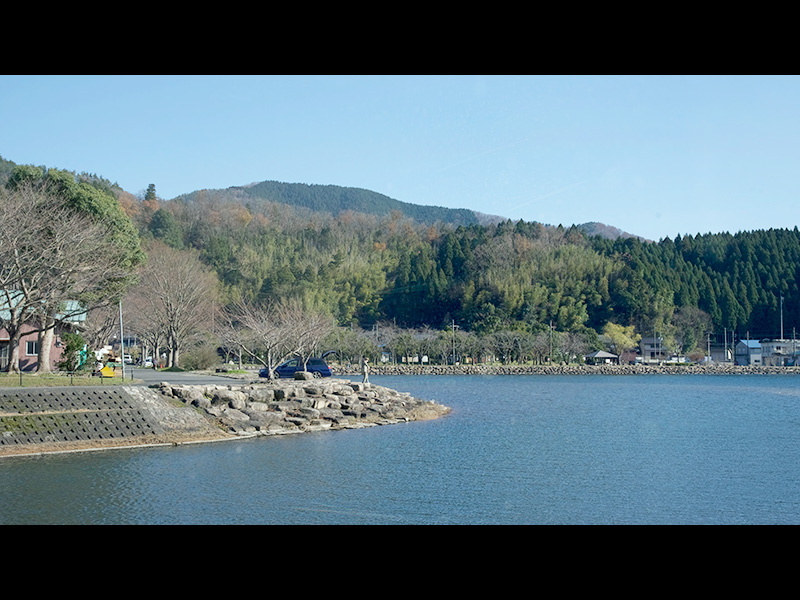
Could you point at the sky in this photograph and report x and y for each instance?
(655, 156)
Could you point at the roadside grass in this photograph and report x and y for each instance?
(32, 380)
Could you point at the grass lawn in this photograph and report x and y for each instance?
(57, 380)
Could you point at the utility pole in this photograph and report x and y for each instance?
(655, 345)
(454, 342)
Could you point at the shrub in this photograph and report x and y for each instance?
(200, 357)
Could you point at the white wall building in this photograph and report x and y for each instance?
(779, 353)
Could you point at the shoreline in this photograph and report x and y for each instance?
(66, 420)
(615, 370)
(250, 407)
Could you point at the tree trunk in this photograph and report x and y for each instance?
(13, 351)
(45, 343)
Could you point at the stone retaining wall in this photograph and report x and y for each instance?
(69, 418)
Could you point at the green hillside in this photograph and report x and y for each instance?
(366, 259)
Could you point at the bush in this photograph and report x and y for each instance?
(200, 358)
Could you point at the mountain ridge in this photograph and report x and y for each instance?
(335, 199)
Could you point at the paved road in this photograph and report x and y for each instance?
(149, 377)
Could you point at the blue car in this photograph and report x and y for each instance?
(316, 366)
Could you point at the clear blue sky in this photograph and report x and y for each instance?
(655, 156)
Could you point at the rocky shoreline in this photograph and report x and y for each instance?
(665, 369)
(302, 405)
(74, 419)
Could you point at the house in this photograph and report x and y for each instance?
(720, 352)
(652, 349)
(601, 358)
(748, 352)
(28, 349)
(72, 317)
(779, 353)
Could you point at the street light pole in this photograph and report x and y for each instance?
(121, 341)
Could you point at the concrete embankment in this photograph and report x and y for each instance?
(39, 420)
(43, 420)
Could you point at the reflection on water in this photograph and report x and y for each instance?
(515, 450)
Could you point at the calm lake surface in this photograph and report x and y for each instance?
(719, 449)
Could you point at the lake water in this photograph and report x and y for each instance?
(515, 450)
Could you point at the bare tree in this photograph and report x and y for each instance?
(382, 337)
(254, 330)
(504, 343)
(573, 346)
(541, 347)
(101, 324)
(350, 345)
(229, 332)
(148, 324)
(305, 329)
(175, 298)
(272, 332)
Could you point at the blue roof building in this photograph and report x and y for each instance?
(748, 352)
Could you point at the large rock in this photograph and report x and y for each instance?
(281, 407)
(234, 399)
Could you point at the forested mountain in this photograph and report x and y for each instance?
(366, 267)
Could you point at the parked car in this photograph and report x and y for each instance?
(316, 366)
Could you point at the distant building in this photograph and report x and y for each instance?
(72, 319)
(779, 353)
(748, 352)
(720, 352)
(601, 358)
(652, 349)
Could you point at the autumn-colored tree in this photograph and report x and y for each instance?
(621, 338)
